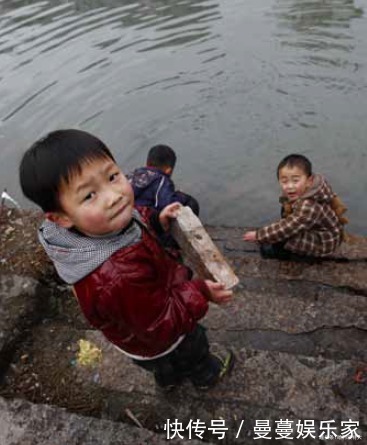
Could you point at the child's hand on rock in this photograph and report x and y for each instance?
(218, 294)
(250, 236)
(168, 213)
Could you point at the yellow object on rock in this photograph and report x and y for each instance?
(89, 354)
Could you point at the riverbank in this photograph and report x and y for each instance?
(299, 332)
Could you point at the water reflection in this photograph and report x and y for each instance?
(303, 15)
(320, 26)
(322, 82)
(319, 48)
(232, 85)
(53, 43)
(120, 68)
(48, 25)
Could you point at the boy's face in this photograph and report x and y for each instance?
(98, 201)
(293, 182)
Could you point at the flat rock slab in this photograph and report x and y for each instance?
(303, 387)
(331, 343)
(349, 275)
(346, 269)
(290, 325)
(289, 307)
(23, 423)
(229, 239)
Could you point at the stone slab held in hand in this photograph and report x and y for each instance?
(202, 254)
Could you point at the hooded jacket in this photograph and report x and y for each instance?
(139, 296)
(153, 188)
(311, 226)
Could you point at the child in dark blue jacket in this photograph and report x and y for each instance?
(153, 186)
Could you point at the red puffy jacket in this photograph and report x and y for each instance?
(142, 299)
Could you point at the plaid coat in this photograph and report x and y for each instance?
(312, 227)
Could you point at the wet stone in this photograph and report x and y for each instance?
(299, 332)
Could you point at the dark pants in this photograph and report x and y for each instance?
(189, 201)
(191, 359)
(277, 251)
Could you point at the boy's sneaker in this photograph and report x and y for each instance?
(226, 366)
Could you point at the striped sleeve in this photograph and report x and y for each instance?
(302, 218)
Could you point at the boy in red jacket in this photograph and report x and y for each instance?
(128, 287)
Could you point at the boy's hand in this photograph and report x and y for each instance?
(218, 294)
(250, 236)
(168, 213)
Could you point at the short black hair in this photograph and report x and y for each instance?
(161, 156)
(296, 160)
(52, 160)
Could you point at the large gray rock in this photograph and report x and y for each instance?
(20, 306)
(23, 423)
(263, 385)
(289, 307)
(230, 240)
(348, 275)
(299, 332)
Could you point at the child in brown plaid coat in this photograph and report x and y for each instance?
(312, 221)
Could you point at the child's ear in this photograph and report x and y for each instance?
(168, 170)
(310, 181)
(60, 219)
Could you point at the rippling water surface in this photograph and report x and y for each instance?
(232, 85)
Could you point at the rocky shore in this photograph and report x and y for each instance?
(299, 332)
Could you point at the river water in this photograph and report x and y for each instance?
(233, 86)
